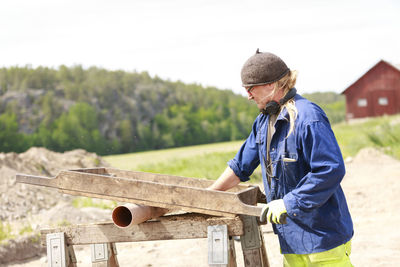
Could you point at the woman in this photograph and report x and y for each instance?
(302, 167)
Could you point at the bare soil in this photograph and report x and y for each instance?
(371, 185)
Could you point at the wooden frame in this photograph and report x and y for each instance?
(171, 227)
(164, 191)
(157, 190)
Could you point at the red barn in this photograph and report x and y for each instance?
(376, 93)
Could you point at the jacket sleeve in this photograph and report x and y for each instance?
(321, 151)
(246, 159)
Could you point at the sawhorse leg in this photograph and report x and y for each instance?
(104, 255)
(252, 241)
(59, 254)
(221, 247)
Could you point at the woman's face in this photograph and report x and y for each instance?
(262, 94)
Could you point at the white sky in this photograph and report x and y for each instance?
(331, 43)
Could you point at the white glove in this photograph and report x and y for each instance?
(274, 212)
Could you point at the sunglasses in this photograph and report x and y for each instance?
(249, 89)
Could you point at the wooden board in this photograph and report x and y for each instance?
(182, 226)
(165, 191)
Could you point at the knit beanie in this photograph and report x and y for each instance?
(263, 68)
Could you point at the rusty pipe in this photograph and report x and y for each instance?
(130, 214)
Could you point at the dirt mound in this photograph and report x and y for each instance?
(19, 200)
(23, 247)
(36, 206)
(373, 156)
(371, 185)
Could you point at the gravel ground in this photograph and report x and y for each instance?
(371, 185)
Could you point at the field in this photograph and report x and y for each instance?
(208, 161)
(371, 186)
(203, 161)
(382, 132)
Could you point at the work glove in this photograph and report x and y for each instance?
(275, 212)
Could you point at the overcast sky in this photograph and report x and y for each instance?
(331, 43)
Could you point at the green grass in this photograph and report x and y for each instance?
(192, 166)
(133, 160)
(209, 161)
(5, 231)
(209, 165)
(201, 161)
(382, 132)
(26, 229)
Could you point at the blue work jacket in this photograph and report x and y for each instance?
(307, 168)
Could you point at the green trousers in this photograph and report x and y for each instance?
(336, 257)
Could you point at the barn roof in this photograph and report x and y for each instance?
(395, 66)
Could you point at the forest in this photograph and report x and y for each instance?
(114, 112)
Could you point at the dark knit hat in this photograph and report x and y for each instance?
(263, 68)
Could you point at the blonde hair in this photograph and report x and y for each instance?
(286, 83)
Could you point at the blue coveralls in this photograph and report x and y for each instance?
(307, 168)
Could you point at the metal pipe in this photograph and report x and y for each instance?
(130, 214)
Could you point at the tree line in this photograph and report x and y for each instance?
(112, 112)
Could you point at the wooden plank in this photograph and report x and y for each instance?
(114, 260)
(263, 250)
(232, 253)
(164, 228)
(252, 241)
(249, 195)
(159, 194)
(252, 258)
(148, 203)
(36, 180)
(161, 178)
(158, 178)
(71, 256)
(96, 170)
(150, 177)
(173, 195)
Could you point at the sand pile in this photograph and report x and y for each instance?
(371, 185)
(19, 200)
(23, 205)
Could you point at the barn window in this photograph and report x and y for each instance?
(362, 102)
(383, 101)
